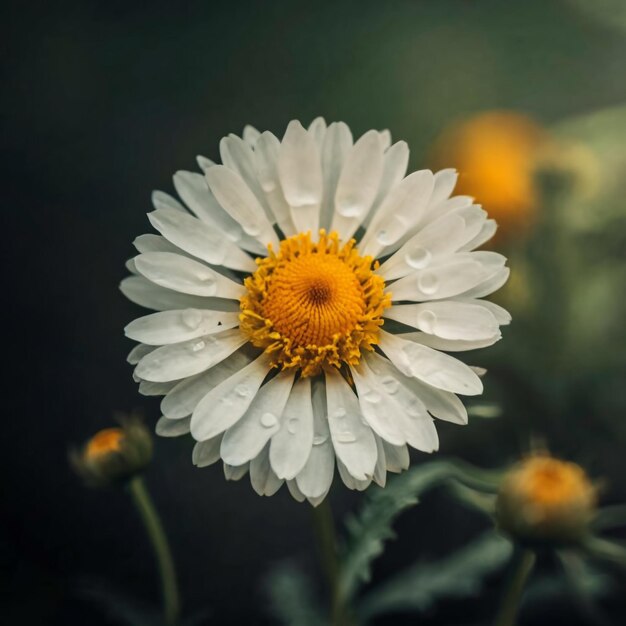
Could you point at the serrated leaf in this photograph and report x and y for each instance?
(368, 531)
(459, 575)
(291, 597)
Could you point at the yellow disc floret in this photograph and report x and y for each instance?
(314, 304)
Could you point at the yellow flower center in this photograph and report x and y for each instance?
(104, 442)
(314, 304)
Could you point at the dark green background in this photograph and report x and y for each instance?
(101, 103)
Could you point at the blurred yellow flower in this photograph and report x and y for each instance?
(114, 455)
(495, 153)
(543, 499)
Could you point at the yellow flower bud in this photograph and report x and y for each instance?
(114, 455)
(545, 500)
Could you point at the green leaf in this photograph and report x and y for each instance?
(368, 531)
(459, 575)
(291, 597)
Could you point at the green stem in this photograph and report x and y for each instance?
(327, 541)
(524, 561)
(158, 538)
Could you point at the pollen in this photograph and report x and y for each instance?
(311, 305)
(104, 442)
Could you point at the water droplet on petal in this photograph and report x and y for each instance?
(349, 210)
(318, 440)
(242, 391)
(191, 318)
(345, 436)
(428, 283)
(268, 420)
(292, 425)
(268, 185)
(339, 413)
(427, 321)
(252, 229)
(418, 258)
(196, 347)
(372, 396)
(390, 384)
(382, 238)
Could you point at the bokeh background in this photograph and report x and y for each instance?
(103, 101)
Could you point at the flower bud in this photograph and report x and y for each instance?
(114, 455)
(543, 500)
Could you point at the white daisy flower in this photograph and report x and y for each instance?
(307, 292)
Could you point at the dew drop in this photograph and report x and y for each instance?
(318, 440)
(253, 229)
(339, 413)
(268, 420)
(349, 209)
(418, 258)
(382, 238)
(427, 321)
(196, 347)
(268, 185)
(191, 318)
(345, 436)
(242, 391)
(372, 396)
(428, 283)
(292, 425)
(390, 384)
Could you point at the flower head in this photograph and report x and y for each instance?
(546, 500)
(114, 455)
(496, 153)
(306, 295)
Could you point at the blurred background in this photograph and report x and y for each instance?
(103, 101)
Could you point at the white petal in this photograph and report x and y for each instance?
(430, 366)
(358, 184)
(487, 231)
(262, 477)
(380, 471)
(501, 314)
(138, 352)
(438, 239)
(207, 452)
(352, 438)
(183, 399)
(237, 199)
(451, 345)
(204, 163)
(148, 388)
(402, 403)
(337, 144)
(172, 428)
(316, 477)
(266, 155)
(200, 240)
(175, 326)
(250, 135)
(300, 172)
(194, 190)
(235, 472)
(373, 403)
(291, 445)
(445, 181)
(162, 200)
(452, 276)
(395, 163)
(489, 285)
(155, 243)
(442, 404)
(397, 457)
(145, 293)
(401, 210)
(228, 401)
(447, 319)
(185, 275)
(243, 441)
(385, 138)
(180, 360)
(239, 157)
(317, 130)
(349, 481)
(296, 494)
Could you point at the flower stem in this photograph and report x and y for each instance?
(154, 528)
(327, 542)
(523, 565)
